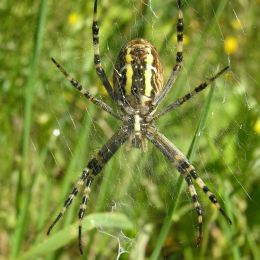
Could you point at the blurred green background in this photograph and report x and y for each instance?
(49, 132)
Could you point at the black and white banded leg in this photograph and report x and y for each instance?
(206, 190)
(97, 60)
(179, 58)
(182, 164)
(191, 94)
(70, 198)
(82, 209)
(94, 167)
(86, 93)
(196, 205)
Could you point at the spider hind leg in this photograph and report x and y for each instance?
(171, 152)
(197, 207)
(210, 195)
(184, 167)
(94, 167)
(70, 198)
(82, 209)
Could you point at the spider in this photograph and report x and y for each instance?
(137, 91)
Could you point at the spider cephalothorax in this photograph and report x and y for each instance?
(137, 91)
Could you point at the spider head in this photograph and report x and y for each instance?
(138, 75)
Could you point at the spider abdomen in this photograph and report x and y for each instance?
(138, 73)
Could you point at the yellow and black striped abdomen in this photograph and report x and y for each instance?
(138, 75)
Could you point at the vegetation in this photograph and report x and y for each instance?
(138, 208)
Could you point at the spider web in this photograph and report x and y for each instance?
(137, 185)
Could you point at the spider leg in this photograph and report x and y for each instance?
(189, 95)
(182, 164)
(206, 190)
(197, 207)
(97, 60)
(179, 59)
(82, 210)
(93, 167)
(84, 92)
(70, 198)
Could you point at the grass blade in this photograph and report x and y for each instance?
(22, 202)
(63, 237)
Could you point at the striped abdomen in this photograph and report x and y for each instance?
(138, 73)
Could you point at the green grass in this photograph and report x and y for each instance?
(139, 203)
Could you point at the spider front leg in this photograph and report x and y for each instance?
(94, 167)
(184, 167)
(97, 60)
(179, 59)
(84, 92)
(191, 94)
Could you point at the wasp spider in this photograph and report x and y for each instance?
(137, 91)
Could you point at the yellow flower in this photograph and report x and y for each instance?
(231, 45)
(74, 18)
(257, 126)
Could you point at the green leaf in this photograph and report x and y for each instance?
(63, 237)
